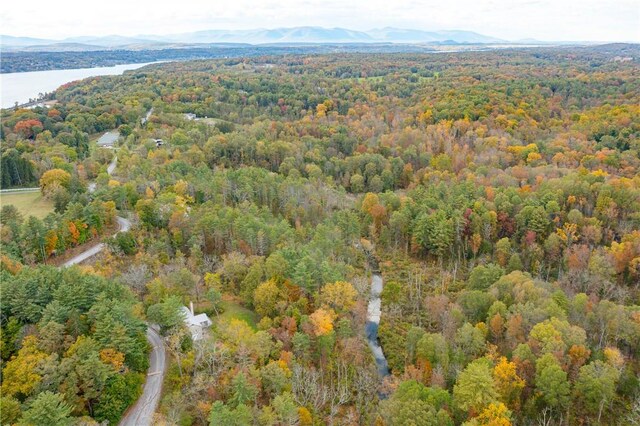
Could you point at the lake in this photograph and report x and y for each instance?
(21, 86)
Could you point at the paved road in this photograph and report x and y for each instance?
(112, 165)
(141, 413)
(123, 226)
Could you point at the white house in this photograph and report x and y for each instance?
(196, 323)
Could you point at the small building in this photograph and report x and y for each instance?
(190, 116)
(159, 142)
(196, 323)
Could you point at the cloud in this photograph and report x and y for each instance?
(511, 19)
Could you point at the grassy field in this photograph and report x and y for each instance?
(28, 203)
(237, 311)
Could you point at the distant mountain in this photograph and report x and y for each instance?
(316, 35)
(269, 36)
(313, 35)
(56, 47)
(108, 41)
(326, 35)
(7, 40)
(468, 37)
(399, 35)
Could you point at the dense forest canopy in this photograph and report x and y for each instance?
(54, 60)
(499, 193)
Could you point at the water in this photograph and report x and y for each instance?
(22, 86)
(373, 322)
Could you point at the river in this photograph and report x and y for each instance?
(22, 86)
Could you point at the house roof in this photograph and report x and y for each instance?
(200, 319)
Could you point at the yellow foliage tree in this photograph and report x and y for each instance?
(54, 179)
(508, 384)
(112, 357)
(51, 240)
(321, 110)
(614, 357)
(305, 417)
(236, 332)
(370, 200)
(568, 233)
(533, 157)
(110, 211)
(493, 415)
(322, 321)
(181, 187)
(9, 265)
(265, 298)
(20, 376)
(339, 296)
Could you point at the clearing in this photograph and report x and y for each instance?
(28, 203)
(234, 309)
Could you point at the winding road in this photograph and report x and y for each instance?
(123, 226)
(141, 413)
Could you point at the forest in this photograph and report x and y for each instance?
(23, 61)
(496, 193)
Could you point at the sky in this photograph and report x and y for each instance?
(547, 20)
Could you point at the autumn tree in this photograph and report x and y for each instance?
(322, 321)
(53, 179)
(508, 384)
(28, 128)
(20, 375)
(339, 296)
(475, 387)
(266, 297)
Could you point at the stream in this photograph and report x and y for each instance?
(372, 324)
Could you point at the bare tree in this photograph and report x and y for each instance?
(321, 389)
(547, 418)
(173, 343)
(365, 385)
(362, 284)
(338, 389)
(136, 277)
(417, 291)
(210, 357)
(308, 388)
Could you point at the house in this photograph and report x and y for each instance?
(196, 323)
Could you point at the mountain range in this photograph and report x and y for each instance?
(295, 35)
